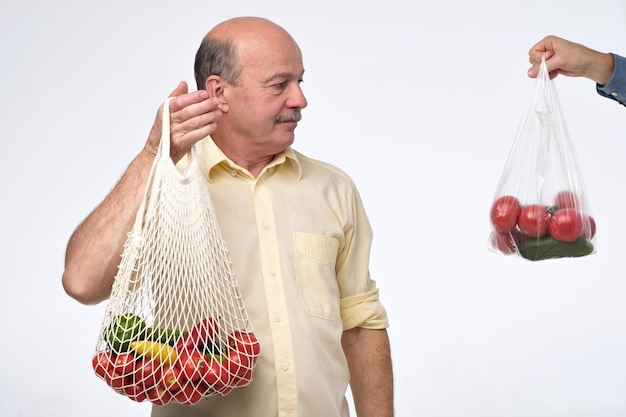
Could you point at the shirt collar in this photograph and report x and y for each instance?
(211, 156)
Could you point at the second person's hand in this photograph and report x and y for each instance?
(570, 59)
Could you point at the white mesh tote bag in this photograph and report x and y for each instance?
(175, 327)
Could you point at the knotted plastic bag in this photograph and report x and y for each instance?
(540, 208)
(175, 327)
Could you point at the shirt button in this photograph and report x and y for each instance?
(285, 368)
(233, 172)
(271, 170)
(266, 227)
(614, 94)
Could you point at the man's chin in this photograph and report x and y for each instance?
(288, 141)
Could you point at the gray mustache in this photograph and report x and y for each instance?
(295, 116)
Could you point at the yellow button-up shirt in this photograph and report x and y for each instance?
(299, 240)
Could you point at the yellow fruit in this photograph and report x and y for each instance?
(160, 352)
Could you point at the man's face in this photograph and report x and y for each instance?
(265, 106)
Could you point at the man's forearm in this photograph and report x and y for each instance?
(94, 249)
(371, 375)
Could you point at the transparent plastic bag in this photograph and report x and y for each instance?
(175, 328)
(540, 209)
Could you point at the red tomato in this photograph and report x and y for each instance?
(589, 228)
(567, 199)
(124, 364)
(135, 392)
(188, 342)
(190, 394)
(238, 363)
(159, 395)
(102, 364)
(505, 243)
(504, 213)
(193, 364)
(118, 382)
(200, 337)
(533, 220)
(243, 380)
(171, 379)
(147, 373)
(566, 225)
(244, 342)
(204, 332)
(216, 375)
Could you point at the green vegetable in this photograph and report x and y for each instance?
(548, 248)
(167, 336)
(215, 357)
(123, 330)
(128, 328)
(552, 209)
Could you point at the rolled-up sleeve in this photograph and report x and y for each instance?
(360, 305)
(615, 89)
(364, 310)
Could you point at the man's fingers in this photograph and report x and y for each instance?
(198, 109)
(186, 100)
(180, 89)
(182, 98)
(201, 122)
(196, 121)
(193, 117)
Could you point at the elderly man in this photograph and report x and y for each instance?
(296, 229)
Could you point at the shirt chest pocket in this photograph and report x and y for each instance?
(315, 257)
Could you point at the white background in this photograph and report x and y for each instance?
(418, 101)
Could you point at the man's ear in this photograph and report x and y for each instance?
(215, 86)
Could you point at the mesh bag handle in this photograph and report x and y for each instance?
(175, 327)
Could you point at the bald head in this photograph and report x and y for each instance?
(230, 42)
(244, 29)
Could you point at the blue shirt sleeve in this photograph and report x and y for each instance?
(615, 89)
